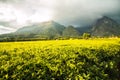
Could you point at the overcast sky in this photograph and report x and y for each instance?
(67, 12)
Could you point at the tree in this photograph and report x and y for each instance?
(86, 35)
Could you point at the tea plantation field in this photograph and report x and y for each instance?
(92, 59)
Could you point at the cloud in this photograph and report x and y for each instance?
(4, 30)
(67, 12)
(11, 1)
(82, 12)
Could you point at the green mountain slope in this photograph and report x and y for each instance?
(70, 31)
(44, 29)
(105, 27)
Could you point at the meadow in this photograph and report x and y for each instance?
(91, 59)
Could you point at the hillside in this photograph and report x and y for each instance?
(105, 27)
(48, 29)
(70, 31)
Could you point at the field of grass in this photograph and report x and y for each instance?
(93, 59)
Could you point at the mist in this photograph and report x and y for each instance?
(67, 12)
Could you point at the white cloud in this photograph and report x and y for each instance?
(76, 12)
(6, 13)
(4, 30)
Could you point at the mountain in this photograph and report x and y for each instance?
(70, 31)
(41, 27)
(44, 29)
(105, 27)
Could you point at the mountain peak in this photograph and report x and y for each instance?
(51, 22)
(105, 17)
(43, 28)
(105, 27)
(105, 20)
(70, 26)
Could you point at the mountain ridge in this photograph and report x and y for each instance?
(103, 27)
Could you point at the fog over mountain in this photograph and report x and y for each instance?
(18, 13)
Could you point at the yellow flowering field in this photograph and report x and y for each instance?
(91, 59)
